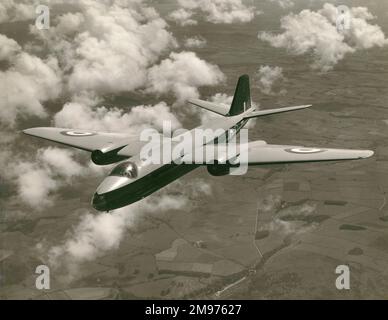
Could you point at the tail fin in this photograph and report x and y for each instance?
(242, 97)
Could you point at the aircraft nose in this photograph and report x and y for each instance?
(99, 202)
(112, 183)
(106, 192)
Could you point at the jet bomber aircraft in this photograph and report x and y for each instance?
(133, 178)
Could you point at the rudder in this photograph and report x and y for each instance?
(242, 97)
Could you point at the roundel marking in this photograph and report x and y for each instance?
(304, 150)
(73, 133)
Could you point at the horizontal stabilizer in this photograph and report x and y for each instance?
(211, 106)
(261, 113)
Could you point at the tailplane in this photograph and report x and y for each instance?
(241, 100)
(242, 103)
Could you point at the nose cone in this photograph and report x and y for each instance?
(367, 153)
(106, 191)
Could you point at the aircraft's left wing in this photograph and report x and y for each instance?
(88, 140)
(288, 154)
(259, 152)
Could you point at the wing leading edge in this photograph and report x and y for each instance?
(88, 140)
(259, 152)
(289, 154)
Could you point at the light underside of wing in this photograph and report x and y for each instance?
(290, 154)
(258, 152)
(87, 140)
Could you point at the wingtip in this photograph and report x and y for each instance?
(367, 154)
(32, 131)
(26, 131)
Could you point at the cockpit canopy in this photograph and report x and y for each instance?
(125, 169)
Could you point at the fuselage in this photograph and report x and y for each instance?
(133, 180)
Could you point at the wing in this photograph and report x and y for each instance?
(259, 152)
(88, 140)
(288, 154)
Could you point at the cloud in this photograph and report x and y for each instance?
(182, 17)
(113, 47)
(51, 169)
(18, 10)
(181, 74)
(317, 33)
(81, 116)
(267, 77)
(285, 4)
(271, 206)
(216, 11)
(107, 46)
(100, 48)
(95, 234)
(8, 47)
(35, 184)
(361, 34)
(60, 160)
(26, 84)
(195, 42)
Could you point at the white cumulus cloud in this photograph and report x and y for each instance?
(183, 17)
(285, 4)
(81, 116)
(195, 42)
(17, 10)
(181, 74)
(95, 234)
(37, 180)
(317, 33)
(27, 83)
(216, 11)
(268, 77)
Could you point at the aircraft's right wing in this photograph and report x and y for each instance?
(89, 140)
(259, 152)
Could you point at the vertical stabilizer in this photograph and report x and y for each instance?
(242, 97)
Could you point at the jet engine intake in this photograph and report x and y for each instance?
(101, 159)
(219, 169)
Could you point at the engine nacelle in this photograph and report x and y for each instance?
(101, 159)
(218, 169)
